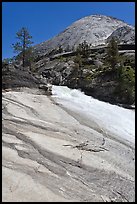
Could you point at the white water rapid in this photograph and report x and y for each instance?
(111, 119)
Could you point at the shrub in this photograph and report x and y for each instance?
(126, 83)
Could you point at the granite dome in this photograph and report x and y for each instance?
(94, 29)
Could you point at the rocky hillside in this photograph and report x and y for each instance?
(91, 74)
(59, 63)
(94, 29)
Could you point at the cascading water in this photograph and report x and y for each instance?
(112, 119)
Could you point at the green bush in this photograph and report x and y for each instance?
(127, 75)
(126, 83)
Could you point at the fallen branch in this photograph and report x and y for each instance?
(83, 146)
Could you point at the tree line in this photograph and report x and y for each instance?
(23, 47)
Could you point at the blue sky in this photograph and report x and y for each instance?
(44, 20)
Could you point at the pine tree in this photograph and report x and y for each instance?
(83, 49)
(112, 56)
(23, 45)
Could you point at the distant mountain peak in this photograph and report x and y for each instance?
(94, 29)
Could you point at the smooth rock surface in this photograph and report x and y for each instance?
(49, 155)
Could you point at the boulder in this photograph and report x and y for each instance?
(98, 63)
(47, 88)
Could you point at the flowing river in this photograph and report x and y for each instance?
(111, 119)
